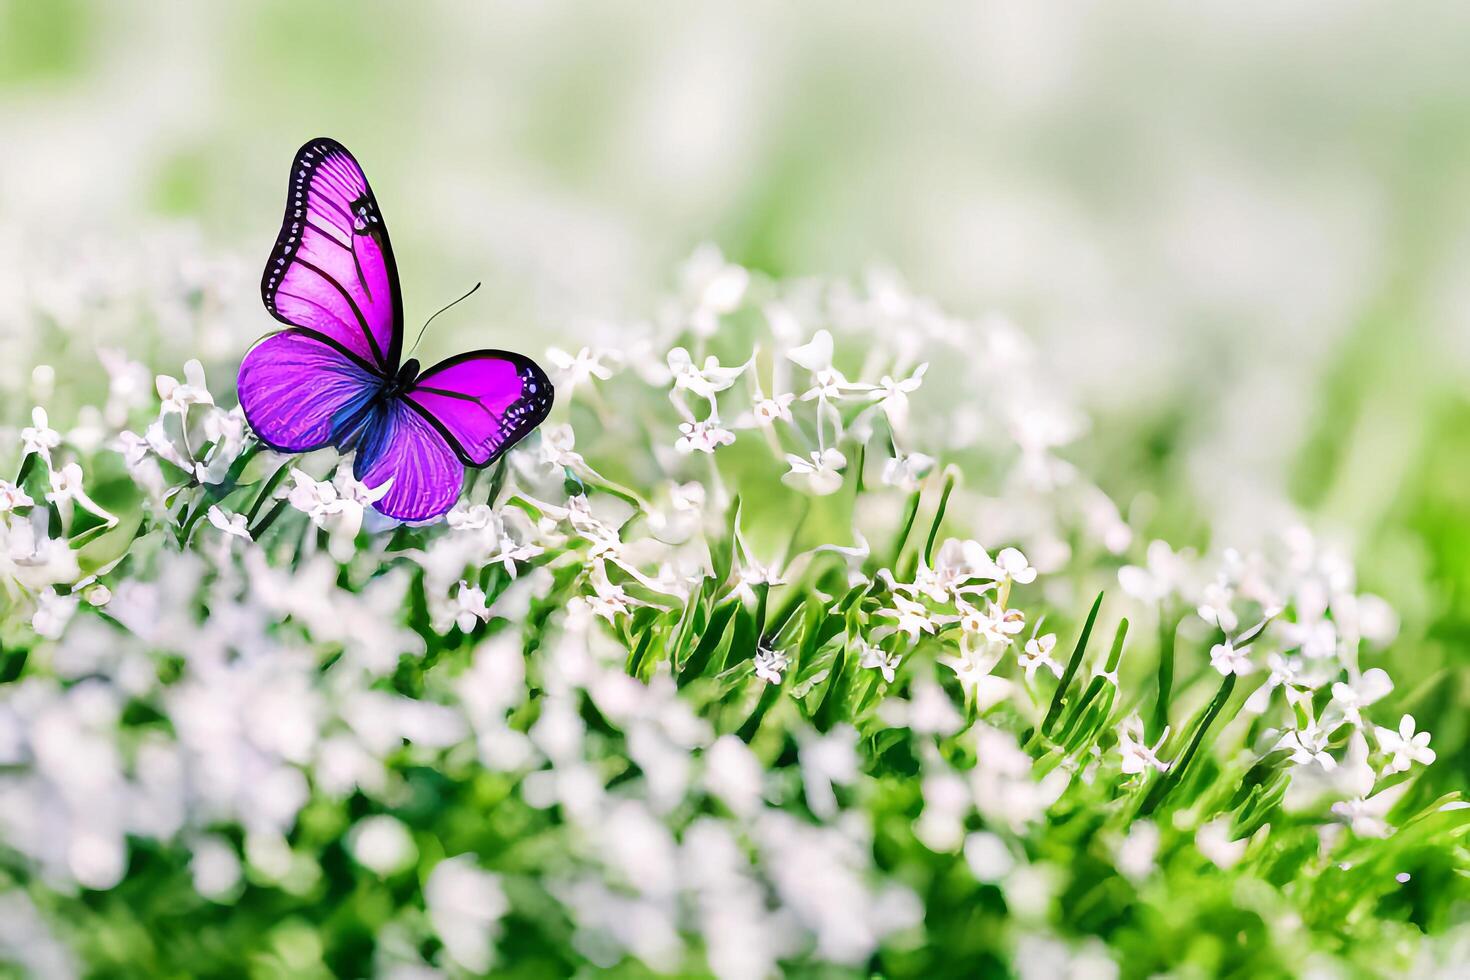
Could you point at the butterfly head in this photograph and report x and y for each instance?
(404, 379)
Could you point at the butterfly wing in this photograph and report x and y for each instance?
(482, 402)
(399, 444)
(302, 390)
(332, 268)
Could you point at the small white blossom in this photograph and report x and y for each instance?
(1161, 575)
(913, 617)
(816, 356)
(874, 658)
(771, 665)
(1284, 672)
(1137, 754)
(39, 437)
(1013, 565)
(704, 382)
(577, 369)
(893, 396)
(609, 600)
(1405, 747)
(558, 444)
(703, 437)
(821, 472)
(995, 624)
(469, 607)
(1038, 654)
(1226, 659)
(12, 496)
(1215, 607)
(905, 471)
(53, 612)
(777, 408)
(231, 524)
(713, 287)
(1309, 745)
(67, 488)
(179, 395)
(1353, 696)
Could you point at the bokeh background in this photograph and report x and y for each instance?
(1240, 233)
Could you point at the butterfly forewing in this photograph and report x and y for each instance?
(332, 269)
(483, 402)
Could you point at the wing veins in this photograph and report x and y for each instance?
(361, 320)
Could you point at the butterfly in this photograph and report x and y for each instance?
(333, 376)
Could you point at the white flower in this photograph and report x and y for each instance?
(712, 286)
(53, 612)
(874, 658)
(1285, 672)
(1038, 654)
(469, 606)
(1308, 745)
(127, 387)
(1013, 565)
(231, 524)
(1225, 658)
(822, 472)
(770, 665)
(178, 396)
(955, 566)
(39, 437)
(382, 844)
(317, 499)
(703, 436)
(464, 516)
(905, 471)
(705, 381)
(913, 617)
(1404, 746)
(1137, 754)
(1352, 697)
(994, 624)
(776, 408)
(1316, 638)
(609, 600)
(893, 396)
(465, 906)
(579, 369)
(1164, 571)
(557, 447)
(1215, 607)
(973, 667)
(816, 357)
(12, 496)
(66, 487)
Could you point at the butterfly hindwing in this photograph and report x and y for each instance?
(483, 402)
(399, 444)
(332, 268)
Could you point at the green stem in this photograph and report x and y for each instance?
(910, 511)
(1161, 788)
(938, 519)
(1168, 627)
(1071, 671)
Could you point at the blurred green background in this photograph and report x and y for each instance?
(1240, 233)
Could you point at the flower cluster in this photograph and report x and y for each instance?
(705, 695)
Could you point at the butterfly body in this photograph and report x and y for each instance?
(334, 376)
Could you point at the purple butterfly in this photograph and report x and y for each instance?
(333, 377)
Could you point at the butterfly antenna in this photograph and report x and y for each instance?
(441, 310)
